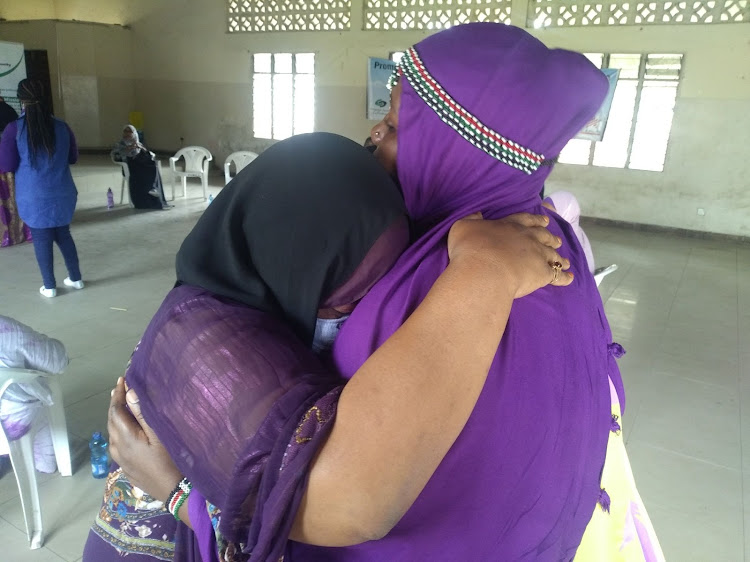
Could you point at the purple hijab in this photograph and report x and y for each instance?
(522, 480)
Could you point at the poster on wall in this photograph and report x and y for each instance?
(12, 71)
(594, 129)
(378, 96)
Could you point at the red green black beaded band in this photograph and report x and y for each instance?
(461, 120)
(178, 497)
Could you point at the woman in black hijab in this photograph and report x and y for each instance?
(226, 378)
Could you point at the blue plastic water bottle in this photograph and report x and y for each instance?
(99, 455)
(110, 199)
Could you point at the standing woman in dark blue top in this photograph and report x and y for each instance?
(39, 149)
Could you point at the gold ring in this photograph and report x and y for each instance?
(557, 268)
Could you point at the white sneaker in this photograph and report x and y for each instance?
(49, 293)
(75, 284)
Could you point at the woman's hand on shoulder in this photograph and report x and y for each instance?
(518, 249)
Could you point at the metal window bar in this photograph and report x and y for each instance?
(667, 68)
(636, 107)
(272, 74)
(652, 67)
(592, 144)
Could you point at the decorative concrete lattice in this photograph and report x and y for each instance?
(385, 15)
(248, 16)
(572, 13)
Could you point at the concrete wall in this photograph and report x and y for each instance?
(121, 12)
(707, 164)
(192, 81)
(13, 10)
(38, 35)
(91, 71)
(205, 73)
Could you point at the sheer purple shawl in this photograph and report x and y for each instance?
(522, 479)
(229, 405)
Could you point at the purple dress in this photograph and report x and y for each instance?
(523, 478)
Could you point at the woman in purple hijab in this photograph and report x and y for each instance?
(226, 378)
(478, 117)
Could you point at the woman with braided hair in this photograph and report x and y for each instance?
(39, 148)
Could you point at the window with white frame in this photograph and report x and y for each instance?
(640, 119)
(283, 94)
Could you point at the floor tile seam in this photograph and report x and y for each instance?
(85, 438)
(630, 423)
(110, 344)
(694, 380)
(60, 556)
(621, 280)
(79, 400)
(650, 445)
(9, 522)
(671, 305)
(743, 489)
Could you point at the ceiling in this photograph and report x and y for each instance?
(121, 12)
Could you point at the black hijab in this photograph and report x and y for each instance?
(292, 227)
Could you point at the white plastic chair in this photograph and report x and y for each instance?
(125, 178)
(601, 272)
(197, 161)
(22, 451)
(240, 159)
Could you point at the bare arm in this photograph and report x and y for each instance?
(387, 441)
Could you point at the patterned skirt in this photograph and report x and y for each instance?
(12, 228)
(130, 524)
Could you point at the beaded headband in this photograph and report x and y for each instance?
(460, 119)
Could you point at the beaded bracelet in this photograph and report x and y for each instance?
(178, 497)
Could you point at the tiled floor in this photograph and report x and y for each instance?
(680, 306)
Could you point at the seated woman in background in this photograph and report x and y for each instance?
(565, 204)
(146, 191)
